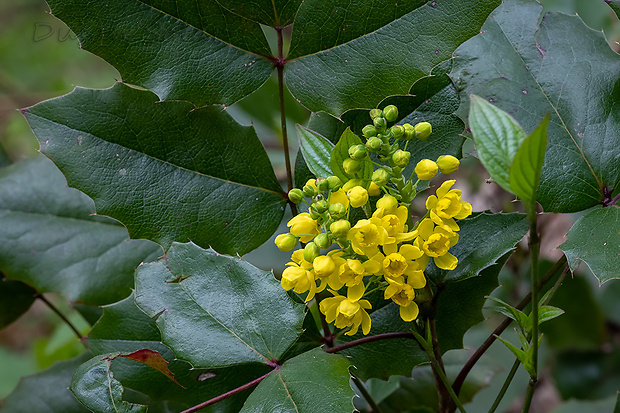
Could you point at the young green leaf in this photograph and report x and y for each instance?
(509, 311)
(521, 355)
(595, 240)
(527, 165)
(498, 137)
(316, 151)
(341, 152)
(545, 313)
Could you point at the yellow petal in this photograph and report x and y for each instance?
(431, 201)
(446, 262)
(410, 312)
(425, 229)
(444, 188)
(356, 292)
(365, 322)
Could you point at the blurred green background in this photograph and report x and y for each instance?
(40, 59)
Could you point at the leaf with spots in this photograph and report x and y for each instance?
(166, 170)
(152, 359)
(531, 67)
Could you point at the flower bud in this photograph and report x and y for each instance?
(448, 164)
(309, 190)
(388, 203)
(351, 166)
(322, 184)
(358, 196)
(311, 251)
(286, 242)
(390, 113)
(334, 183)
(295, 195)
(409, 132)
(340, 229)
(426, 169)
(401, 158)
(374, 144)
(374, 189)
(369, 131)
(322, 241)
(380, 123)
(381, 177)
(320, 206)
(323, 266)
(357, 152)
(397, 131)
(314, 214)
(337, 211)
(351, 183)
(423, 130)
(375, 113)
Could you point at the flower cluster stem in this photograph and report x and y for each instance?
(60, 314)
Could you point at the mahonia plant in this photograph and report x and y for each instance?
(386, 251)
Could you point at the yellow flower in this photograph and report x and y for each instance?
(374, 189)
(358, 196)
(304, 227)
(352, 272)
(394, 224)
(447, 206)
(436, 241)
(367, 235)
(426, 169)
(325, 268)
(402, 294)
(298, 279)
(408, 260)
(339, 197)
(348, 311)
(387, 204)
(286, 242)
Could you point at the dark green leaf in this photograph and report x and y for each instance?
(4, 157)
(587, 374)
(304, 383)
(498, 137)
(168, 171)
(15, 299)
(615, 6)
(316, 151)
(215, 310)
(398, 356)
(595, 240)
(483, 239)
(268, 12)
(51, 239)
(352, 55)
(125, 328)
(527, 165)
(459, 306)
(530, 67)
(47, 391)
(94, 385)
(178, 49)
(341, 152)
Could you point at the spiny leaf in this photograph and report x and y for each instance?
(152, 359)
(341, 152)
(316, 151)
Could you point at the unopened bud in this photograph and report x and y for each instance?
(409, 132)
(334, 183)
(314, 214)
(311, 251)
(320, 206)
(397, 131)
(375, 113)
(323, 266)
(380, 123)
(337, 211)
(381, 177)
(357, 152)
(286, 242)
(426, 169)
(374, 144)
(358, 196)
(352, 183)
(340, 229)
(401, 158)
(351, 166)
(369, 131)
(390, 113)
(388, 203)
(322, 184)
(322, 241)
(374, 189)
(295, 195)
(309, 190)
(423, 130)
(448, 164)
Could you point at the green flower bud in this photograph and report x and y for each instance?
(309, 190)
(401, 158)
(390, 113)
(374, 144)
(311, 251)
(409, 132)
(314, 215)
(320, 206)
(295, 195)
(381, 177)
(397, 131)
(340, 229)
(380, 123)
(357, 152)
(351, 166)
(375, 113)
(369, 131)
(286, 242)
(334, 183)
(322, 184)
(322, 241)
(423, 130)
(337, 211)
(448, 164)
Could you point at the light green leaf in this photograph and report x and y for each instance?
(166, 170)
(311, 379)
(348, 55)
(94, 385)
(498, 137)
(509, 311)
(51, 239)
(530, 67)
(545, 313)
(521, 355)
(527, 165)
(181, 50)
(316, 151)
(217, 311)
(595, 240)
(341, 152)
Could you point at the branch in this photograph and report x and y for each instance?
(460, 379)
(370, 339)
(61, 315)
